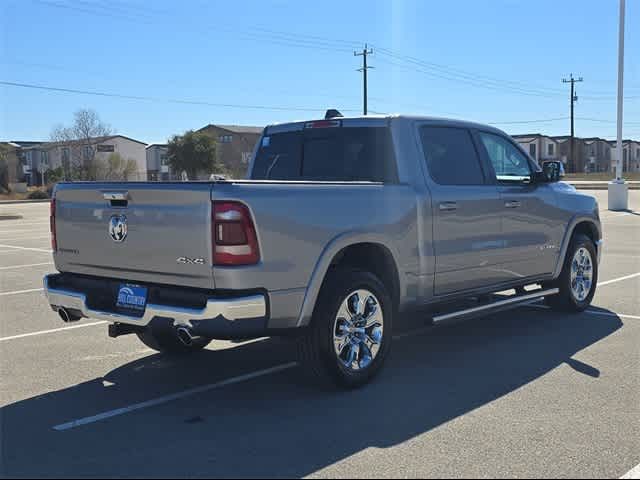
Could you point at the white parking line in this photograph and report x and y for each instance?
(26, 248)
(634, 473)
(17, 292)
(619, 279)
(54, 330)
(175, 396)
(27, 265)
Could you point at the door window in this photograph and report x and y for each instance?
(451, 156)
(509, 163)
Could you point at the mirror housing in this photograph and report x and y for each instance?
(551, 171)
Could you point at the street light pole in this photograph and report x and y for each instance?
(618, 189)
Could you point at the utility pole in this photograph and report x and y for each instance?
(364, 69)
(572, 99)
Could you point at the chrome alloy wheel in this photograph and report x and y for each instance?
(358, 330)
(581, 274)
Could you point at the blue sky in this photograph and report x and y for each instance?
(494, 61)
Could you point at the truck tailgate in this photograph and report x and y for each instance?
(167, 238)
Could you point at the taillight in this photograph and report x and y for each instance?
(52, 224)
(233, 235)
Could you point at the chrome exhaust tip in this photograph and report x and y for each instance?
(64, 315)
(68, 316)
(184, 335)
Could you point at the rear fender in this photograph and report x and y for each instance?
(324, 262)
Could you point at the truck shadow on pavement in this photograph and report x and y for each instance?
(283, 425)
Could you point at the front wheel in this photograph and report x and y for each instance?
(577, 281)
(350, 334)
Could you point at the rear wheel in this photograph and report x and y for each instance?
(349, 337)
(169, 343)
(577, 281)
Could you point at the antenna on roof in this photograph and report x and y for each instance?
(332, 113)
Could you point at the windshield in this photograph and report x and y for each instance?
(327, 154)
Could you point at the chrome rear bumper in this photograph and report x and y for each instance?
(227, 309)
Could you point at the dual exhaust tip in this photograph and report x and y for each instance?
(68, 316)
(183, 333)
(185, 336)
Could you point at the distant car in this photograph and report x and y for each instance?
(343, 223)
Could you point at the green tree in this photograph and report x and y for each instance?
(194, 153)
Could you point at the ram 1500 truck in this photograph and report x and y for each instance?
(342, 224)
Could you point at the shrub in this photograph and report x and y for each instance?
(38, 195)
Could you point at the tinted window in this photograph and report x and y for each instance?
(279, 157)
(508, 162)
(330, 154)
(451, 156)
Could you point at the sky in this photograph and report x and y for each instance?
(170, 66)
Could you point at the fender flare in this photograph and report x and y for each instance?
(321, 268)
(575, 220)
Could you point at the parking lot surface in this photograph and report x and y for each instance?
(528, 392)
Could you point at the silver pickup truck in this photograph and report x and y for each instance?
(342, 224)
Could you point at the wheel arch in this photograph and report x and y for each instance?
(580, 224)
(370, 252)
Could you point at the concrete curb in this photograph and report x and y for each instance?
(12, 202)
(600, 186)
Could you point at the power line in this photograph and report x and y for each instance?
(165, 100)
(317, 42)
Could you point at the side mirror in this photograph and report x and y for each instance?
(551, 171)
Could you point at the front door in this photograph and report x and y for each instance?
(466, 211)
(531, 228)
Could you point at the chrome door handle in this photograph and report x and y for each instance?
(512, 204)
(448, 206)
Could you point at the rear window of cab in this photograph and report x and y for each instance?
(327, 154)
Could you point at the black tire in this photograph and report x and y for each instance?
(565, 300)
(316, 348)
(167, 342)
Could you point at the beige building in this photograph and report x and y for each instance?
(540, 147)
(235, 144)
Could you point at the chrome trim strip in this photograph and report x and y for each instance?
(500, 303)
(232, 309)
(115, 195)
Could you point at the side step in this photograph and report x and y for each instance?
(496, 305)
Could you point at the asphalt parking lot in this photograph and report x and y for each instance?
(524, 393)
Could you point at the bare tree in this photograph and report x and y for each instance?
(117, 168)
(81, 139)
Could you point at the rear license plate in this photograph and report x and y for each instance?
(132, 297)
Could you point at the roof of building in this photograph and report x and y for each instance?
(236, 128)
(94, 140)
(164, 145)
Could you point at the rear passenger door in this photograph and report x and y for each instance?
(531, 225)
(466, 210)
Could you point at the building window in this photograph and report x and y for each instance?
(550, 149)
(86, 152)
(44, 157)
(226, 138)
(532, 150)
(638, 153)
(65, 154)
